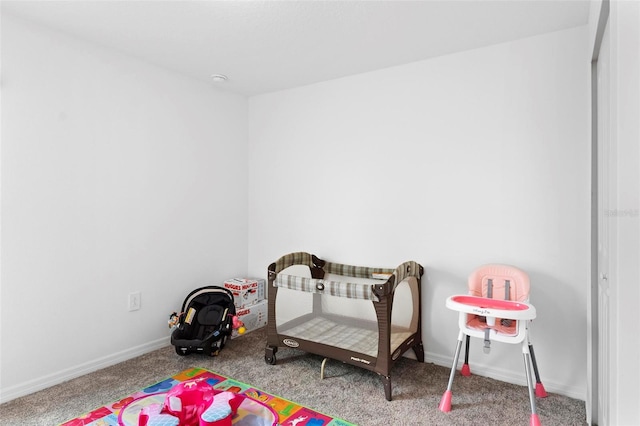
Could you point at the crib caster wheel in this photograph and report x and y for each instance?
(270, 355)
(182, 351)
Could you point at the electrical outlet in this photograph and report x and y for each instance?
(135, 301)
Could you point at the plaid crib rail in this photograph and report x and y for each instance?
(345, 288)
(334, 288)
(354, 271)
(297, 258)
(340, 288)
(407, 269)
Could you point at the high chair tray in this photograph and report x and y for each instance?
(491, 307)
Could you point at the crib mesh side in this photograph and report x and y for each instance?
(331, 320)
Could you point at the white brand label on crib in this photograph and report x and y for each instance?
(291, 343)
(360, 360)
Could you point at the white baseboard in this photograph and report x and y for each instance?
(508, 376)
(49, 380)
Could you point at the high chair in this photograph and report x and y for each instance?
(496, 309)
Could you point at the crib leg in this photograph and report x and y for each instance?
(419, 351)
(466, 371)
(386, 381)
(445, 401)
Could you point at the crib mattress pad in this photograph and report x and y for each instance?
(345, 336)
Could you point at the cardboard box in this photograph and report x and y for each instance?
(253, 317)
(262, 289)
(246, 291)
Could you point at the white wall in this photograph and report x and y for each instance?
(624, 22)
(117, 176)
(476, 157)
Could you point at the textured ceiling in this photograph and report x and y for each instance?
(265, 46)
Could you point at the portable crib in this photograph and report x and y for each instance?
(345, 312)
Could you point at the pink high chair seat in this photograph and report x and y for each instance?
(499, 282)
(496, 308)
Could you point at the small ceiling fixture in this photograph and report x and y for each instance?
(218, 78)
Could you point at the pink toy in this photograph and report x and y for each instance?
(193, 403)
(496, 309)
(238, 325)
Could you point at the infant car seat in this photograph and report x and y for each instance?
(205, 321)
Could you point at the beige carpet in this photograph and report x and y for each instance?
(347, 392)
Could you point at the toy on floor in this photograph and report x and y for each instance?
(238, 325)
(497, 308)
(193, 403)
(174, 319)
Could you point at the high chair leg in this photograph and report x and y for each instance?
(534, 419)
(445, 401)
(540, 390)
(466, 371)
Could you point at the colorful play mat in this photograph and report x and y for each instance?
(257, 409)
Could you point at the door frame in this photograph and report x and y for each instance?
(593, 387)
